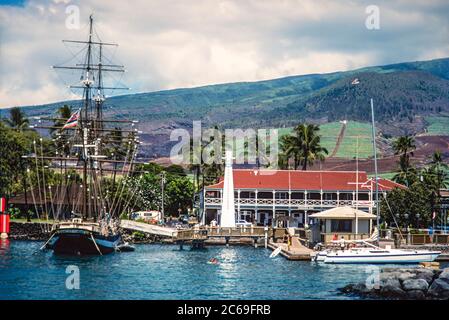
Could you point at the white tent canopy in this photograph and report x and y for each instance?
(343, 213)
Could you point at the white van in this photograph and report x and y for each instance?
(146, 215)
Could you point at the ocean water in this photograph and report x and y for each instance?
(166, 272)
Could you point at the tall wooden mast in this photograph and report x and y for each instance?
(91, 124)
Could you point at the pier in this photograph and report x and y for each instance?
(198, 237)
(148, 228)
(296, 251)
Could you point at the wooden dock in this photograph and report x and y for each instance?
(224, 236)
(197, 237)
(296, 251)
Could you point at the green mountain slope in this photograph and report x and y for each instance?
(404, 94)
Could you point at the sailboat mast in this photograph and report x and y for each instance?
(375, 164)
(85, 123)
(91, 124)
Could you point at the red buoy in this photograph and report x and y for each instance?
(4, 219)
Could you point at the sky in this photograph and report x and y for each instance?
(166, 44)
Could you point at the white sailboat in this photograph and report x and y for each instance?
(374, 254)
(368, 252)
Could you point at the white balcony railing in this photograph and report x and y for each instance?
(296, 203)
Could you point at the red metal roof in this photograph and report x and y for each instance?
(384, 184)
(303, 180)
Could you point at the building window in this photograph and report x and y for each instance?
(329, 196)
(265, 195)
(341, 226)
(297, 195)
(345, 196)
(281, 195)
(212, 194)
(314, 196)
(247, 195)
(363, 196)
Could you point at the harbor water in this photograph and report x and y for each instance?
(166, 272)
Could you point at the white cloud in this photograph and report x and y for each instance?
(169, 44)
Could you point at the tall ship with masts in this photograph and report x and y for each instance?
(87, 210)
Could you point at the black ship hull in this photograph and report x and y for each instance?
(82, 242)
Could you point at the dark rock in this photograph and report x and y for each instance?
(439, 289)
(415, 284)
(406, 276)
(444, 274)
(392, 292)
(358, 288)
(416, 295)
(390, 282)
(348, 288)
(384, 276)
(426, 274)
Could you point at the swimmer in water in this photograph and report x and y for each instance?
(213, 261)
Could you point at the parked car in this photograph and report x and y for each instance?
(148, 216)
(243, 223)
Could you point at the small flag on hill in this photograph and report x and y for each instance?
(355, 81)
(73, 120)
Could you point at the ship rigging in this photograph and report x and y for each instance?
(86, 204)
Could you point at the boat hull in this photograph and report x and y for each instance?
(382, 257)
(81, 242)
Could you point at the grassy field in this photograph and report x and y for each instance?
(348, 147)
(437, 125)
(329, 133)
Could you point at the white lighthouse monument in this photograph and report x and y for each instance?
(227, 201)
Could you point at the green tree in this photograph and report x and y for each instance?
(304, 146)
(61, 138)
(179, 192)
(404, 146)
(435, 178)
(17, 119)
(407, 206)
(290, 149)
(63, 114)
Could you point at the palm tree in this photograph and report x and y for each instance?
(440, 169)
(17, 119)
(304, 146)
(404, 147)
(196, 168)
(434, 178)
(290, 148)
(63, 114)
(406, 176)
(310, 144)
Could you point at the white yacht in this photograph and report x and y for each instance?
(376, 255)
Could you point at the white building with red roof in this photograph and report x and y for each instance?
(287, 197)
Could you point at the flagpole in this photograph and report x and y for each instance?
(375, 166)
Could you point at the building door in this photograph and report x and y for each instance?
(262, 217)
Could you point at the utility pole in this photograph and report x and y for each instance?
(162, 188)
